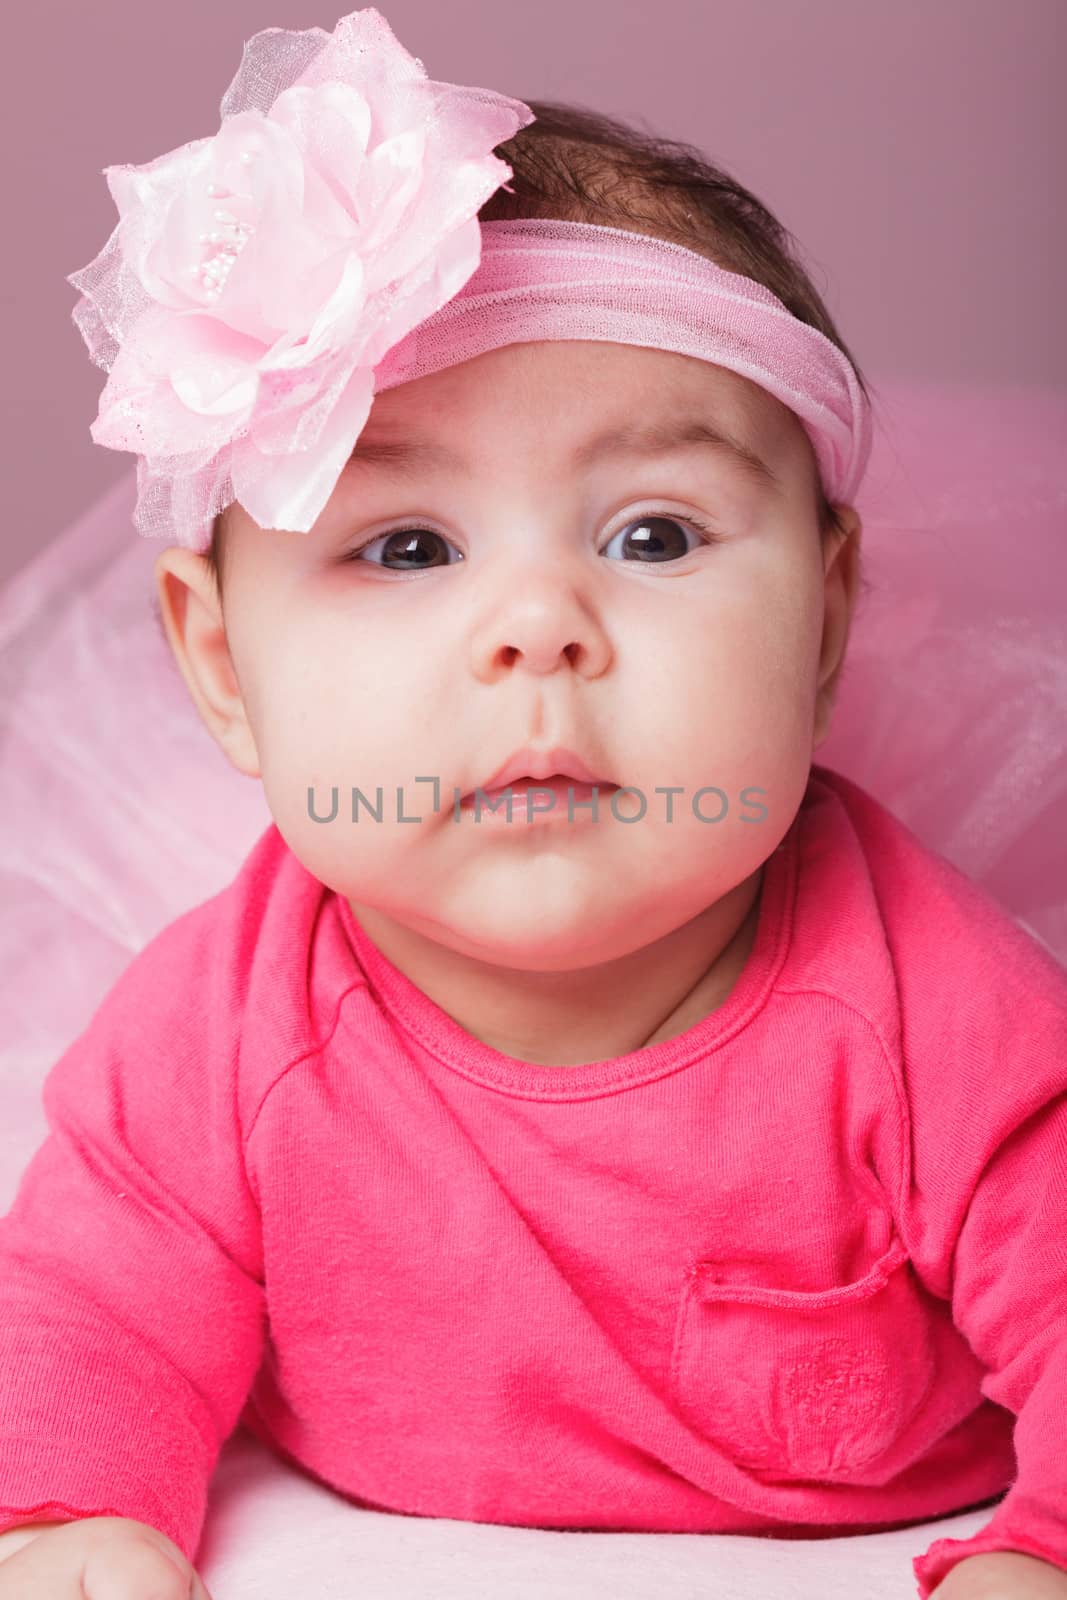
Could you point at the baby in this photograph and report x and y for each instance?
(581, 1110)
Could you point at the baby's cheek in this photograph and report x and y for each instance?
(318, 748)
(768, 717)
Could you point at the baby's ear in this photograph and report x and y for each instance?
(190, 611)
(842, 578)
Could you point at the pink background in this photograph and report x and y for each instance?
(914, 149)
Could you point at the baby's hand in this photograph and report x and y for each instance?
(98, 1558)
(999, 1575)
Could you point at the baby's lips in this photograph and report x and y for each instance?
(558, 782)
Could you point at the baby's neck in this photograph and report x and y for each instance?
(566, 1019)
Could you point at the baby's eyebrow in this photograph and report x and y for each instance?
(409, 453)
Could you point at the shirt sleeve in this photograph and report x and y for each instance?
(1010, 1300)
(132, 1314)
(985, 1077)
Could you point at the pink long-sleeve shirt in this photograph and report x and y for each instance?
(799, 1271)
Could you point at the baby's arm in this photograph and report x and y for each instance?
(1009, 1298)
(131, 1303)
(984, 1211)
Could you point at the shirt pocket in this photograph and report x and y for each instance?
(803, 1383)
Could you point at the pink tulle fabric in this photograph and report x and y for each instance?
(255, 278)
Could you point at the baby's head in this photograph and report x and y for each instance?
(517, 555)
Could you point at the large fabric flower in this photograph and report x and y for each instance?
(255, 278)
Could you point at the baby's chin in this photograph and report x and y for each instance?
(565, 920)
(533, 937)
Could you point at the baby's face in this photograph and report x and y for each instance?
(547, 599)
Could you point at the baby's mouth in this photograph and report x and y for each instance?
(560, 772)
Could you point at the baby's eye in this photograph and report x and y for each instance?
(408, 546)
(651, 537)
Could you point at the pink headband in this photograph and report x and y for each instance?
(262, 285)
(550, 279)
